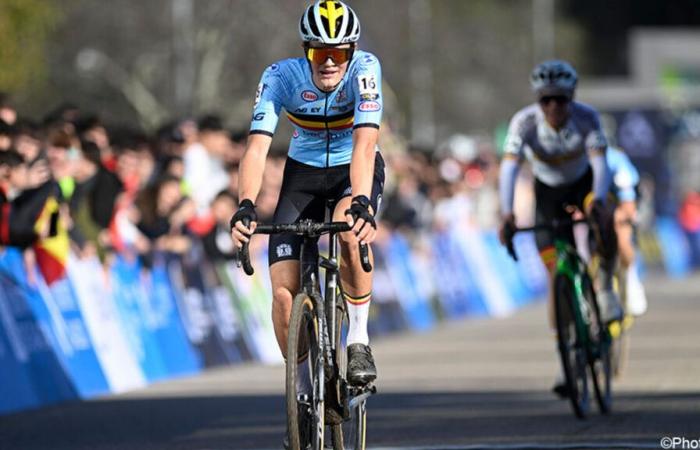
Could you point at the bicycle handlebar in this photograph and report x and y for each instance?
(509, 232)
(303, 228)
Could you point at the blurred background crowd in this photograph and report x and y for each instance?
(126, 176)
(122, 190)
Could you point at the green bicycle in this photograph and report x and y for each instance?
(583, 339)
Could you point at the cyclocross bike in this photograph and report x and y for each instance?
(317, 323)
(583, 339)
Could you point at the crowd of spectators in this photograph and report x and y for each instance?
(121, 190)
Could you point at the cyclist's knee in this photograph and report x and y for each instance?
(281, 305)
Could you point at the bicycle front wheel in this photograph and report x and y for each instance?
(350, 434)
(571, 349)
(304, 368)
(599, 354)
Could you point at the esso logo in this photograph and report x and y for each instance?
(309, 96)
(369, 106)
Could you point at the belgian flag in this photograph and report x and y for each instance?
(33, 220)
(51, 251)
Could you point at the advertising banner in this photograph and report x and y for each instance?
(96, 302)
(136, 317)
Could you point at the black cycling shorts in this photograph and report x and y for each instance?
(305, 193)
(552, 202)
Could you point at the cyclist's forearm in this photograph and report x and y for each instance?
(362, 163)
(250, 172)
(601, 176)
(506, 181)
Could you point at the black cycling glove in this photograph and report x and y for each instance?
(246, 212)
(359, 209)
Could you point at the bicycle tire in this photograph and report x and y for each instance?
(620, 345)
(573, 356)
(351, 434)
(598, 351)
(303, 338)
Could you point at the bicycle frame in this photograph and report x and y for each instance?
(325, 304)
(569, 264)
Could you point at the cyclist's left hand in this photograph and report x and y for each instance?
(361, 219)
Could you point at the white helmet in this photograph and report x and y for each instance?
(554, 77)
(330, 22)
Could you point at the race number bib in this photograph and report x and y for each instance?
(368, 87)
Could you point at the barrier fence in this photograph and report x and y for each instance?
(101, 331)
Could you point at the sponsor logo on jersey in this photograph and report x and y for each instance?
(309, 96)
(259, 93)
(342, 96)
(284, 250)
(369, 106)
(340, 135)
(369, 97)
(341, 108)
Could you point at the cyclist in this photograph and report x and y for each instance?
(565, 145)
(625, 179)
(333, 99)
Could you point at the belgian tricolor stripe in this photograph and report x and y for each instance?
(357, 301)
(317, 123)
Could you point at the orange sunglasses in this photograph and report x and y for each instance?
(320, 55)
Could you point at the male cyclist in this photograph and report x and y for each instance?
(565, 145)
(625, 179)
(333, 99)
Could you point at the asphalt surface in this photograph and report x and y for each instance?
(474, 384)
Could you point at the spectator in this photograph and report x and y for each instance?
(62, 157)
(27, 140)
(8, 114)
(90, 128)
(204, 168)
(217, 243)
(238, 140)
(163, 213)
(6, 134)
(94, 200)
(20, 202)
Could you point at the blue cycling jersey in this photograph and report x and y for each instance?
(323, 121)
(625, 176)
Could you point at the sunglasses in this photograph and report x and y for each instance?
(559, 99)
(320, 55)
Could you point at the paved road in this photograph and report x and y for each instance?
(469, 384)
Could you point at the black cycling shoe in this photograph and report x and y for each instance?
(361, 368)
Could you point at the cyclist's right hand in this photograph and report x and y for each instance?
(507, 229)
(506, 233)
(243, 223)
